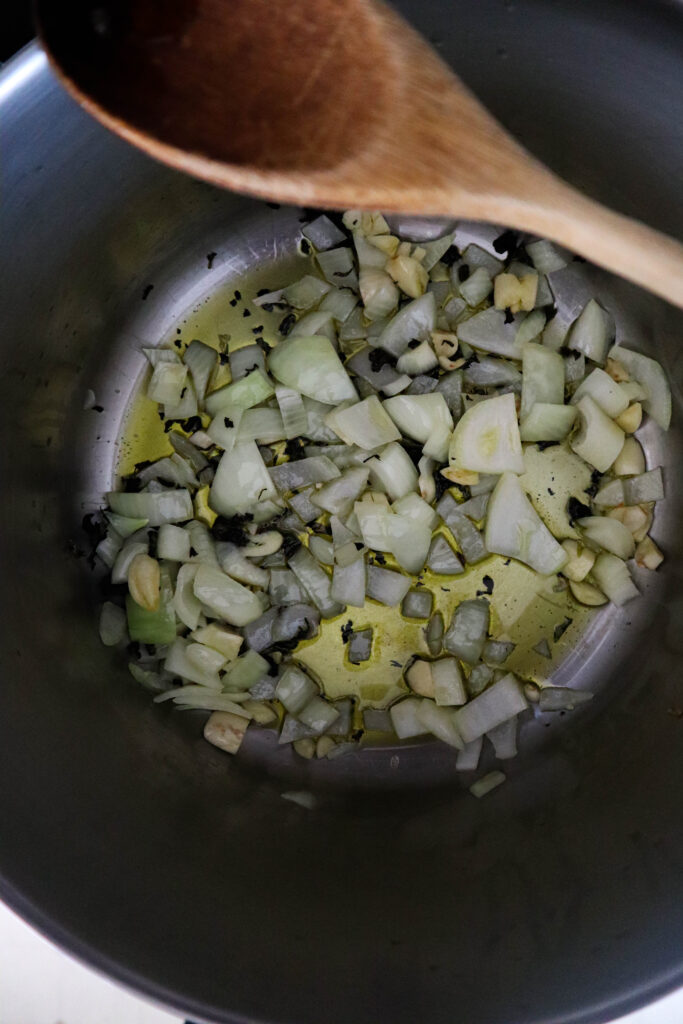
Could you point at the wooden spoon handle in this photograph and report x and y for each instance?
(613, 241)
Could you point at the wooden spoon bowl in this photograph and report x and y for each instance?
(335, 103)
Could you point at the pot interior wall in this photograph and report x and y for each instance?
(143, 850)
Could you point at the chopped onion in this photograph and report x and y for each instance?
(630, 461)
(514, 528)
(644, 487)
(546, 256)
(373, 520)
(290, 476)
(542, 378)
(157, 508)
(405, 718)
(228, 599)
(466, 534)
(417, 604)
(605, 392)
(245, 672)
(449, 688)
(592, 333)
(416, 321)
(337, 265)
(312, 367)
(442, 559)
(242, 481)
(379, 293)
(348, 583)
(562, 698)
(232, 561)
(503, 738)
(318, 715)
(339, 496)
(306, 292)
(450, 386)
(501, 701)
(478, 679)
(489, 332)
(323, 233)
(292, 410)
(167, 383)
(610, 494)
(440, 722)
(651, 376)
(392, 469)
(468, 757)
(486, 784)
(263, 425)
(295, 689)
(112, 624)
(315, 582)
(340, 302)
(417, 416)
(365, 424)
(130, 550)
(418, 360)
(187, 607)
(613, 578)
(477, 286)
(466, 635)
(532, 325)
(489, 372)
(241, 394)
(609, 534)
(408, 542)
(321, 548)
(486, 438)
(598, 440)
(546, 422)
(386, 586)
(201, 361)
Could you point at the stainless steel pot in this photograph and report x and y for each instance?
(145, 852)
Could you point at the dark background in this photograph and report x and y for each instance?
(16, 27)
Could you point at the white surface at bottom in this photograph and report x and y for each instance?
(41, 985)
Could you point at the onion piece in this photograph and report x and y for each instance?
(486, 438)
(491, 372)
(562, 698)
(630, 461)
(532, 325)
(379, 293)
(592, 333)
(442, 559)
(348, 583)
(466, 635)
(312, 367)
(609, 534)
(187, 607)
(242, 481)
(610, 494)
(284, 588)
(365, 424)
(290, 476)
(405, 718)
(264, 425)
(415, 509)
(167, 383)
(478, 679)
(112, 624)
(340, 302)
(497, 651)
(202, 671)
(613, 578)
(393, 469)
(226, 598)
(316, 322)
(449, 688)
(439, 721)
(322, 550)
(651, 376)
(418, 360)
(468, 757)
(360, 646)
(486, 784)
(546, 256)
(292, 410)
(417, 604)
(337, 265)
(201, 360)
(415, 321)
(133, 547)
(514, 528)
(318, 715)
(604, 392)
(408, 542)
(477, 286)
(450, 386)
(598, 440)
(501, 701)
(417, 416)
(315, 582)
(503, 738)
(644, 487)
(586, 593)
(295, 689)
(157, 508)
(546, 422)
(386, 586)
(338, 496)
(542, 378)
(373, 523)
(323, 233)
(242, 394)
(466, 534)
(488, 332)
(306, 292)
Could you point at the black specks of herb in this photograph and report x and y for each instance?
(451, 255)
(97, 408)
(232, 528)
(379, 358)
(286, 324)
(250, 369)
(257, 330)
(233, 302)
(246, 312)
(577, 510)
(223, 358)
(507, 561)
(210, 257)
(441, 484)
(551, 492)
(263, 345)
(146, 290)
(228, 422)
(342, 273)
(561, 628)
(463, 273)
(130, 484)
(379, 558)
(413, 343)
(468, 362)
(178, 343)
(542, 445)
(375, 455)
(183, 393)
(359, 545)
(592, 489)
(274, 206)
(487, 588)
(193, 553)
(189, 425)
(509, 316)
(396, 664)
(508, 242)
(446, 590)
(347, 631)
(294, 448)
(238, 295)
(305, 247)
(152, 536)
(448, 342)
(290, 545)
(262, 291)
(357, 735)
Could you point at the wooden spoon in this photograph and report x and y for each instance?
(335, 103)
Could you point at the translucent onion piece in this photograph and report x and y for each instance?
(542, 378)
(226, 598)
(501, 701)
(651, 376)
(514, 528)
(386, 586)
(242, 481)
(312, 367)
(365, 424)
(613, 578)
(605, 392)
(598, 440)
(415, 321)
(417, 416)
(466, 635)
